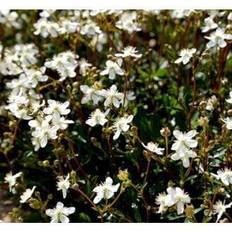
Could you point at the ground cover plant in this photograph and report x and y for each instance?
(115, 116)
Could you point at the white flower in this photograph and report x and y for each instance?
(154, 148)
(105, 190)
(182, 146)
(61, 122)
(229, 17)
(217, 38)
(90, 94)
(185, 55)
(209, 24)
(83, 66)
(57, 108)
(46, 13)
(178, 197)
(46, 28)
(219, 208)
(10, 18)
(229, 100)
(64, 63)
(225, 176)
(113, 97)
(18, 107)
(161, 200)
(27, 195)
(129, 52)
(43, 131)
(33, 76)
(130, 96)
(184, 140)
(184, 157)
(211, 103)
(90, 29)
(181, 13)
(18, 58)
(67, 26)
(128, 22)
(60, 213)
(63, 184)
(121, 125)
(97, 118)
(11, 180)
(112, 69)
(228, 122)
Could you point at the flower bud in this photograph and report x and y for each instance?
(229, 112)
(189, 211)
(123, 175)
(35, 204)
(203, 121)
(45, 163)
(165, 132)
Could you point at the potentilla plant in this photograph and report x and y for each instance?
(115, 116)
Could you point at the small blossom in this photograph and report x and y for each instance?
(57, 108)
(228, 122)
(154, 148)
(217, 38)
(130, 96)
(60, 213)
(211, 103)
(229, 17)
(90, 29)
(185, 55)
(161, 200)
(91, 94)
(63, 184)
(184, 141)
(209, 24)
(129, 52)
(43, 131)
(182, 146)
(64, 63)
(112, 69)
(182, 13)
(175, 196)
(67, 26)
(128, 22)
(180, 199)
(105, 190)
(112, 97)
(11, 180)
(27, 195)
(46, 28)
(184, 157)
(225, 175)
(60, 122)
(97, 118)
(220, 208)
(121, 125)
(84, 66)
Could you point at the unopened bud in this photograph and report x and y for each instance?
(123, 175)
(165, 132)
(45, 163)
(189, 211)
(203, 121)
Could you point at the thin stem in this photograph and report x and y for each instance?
(147, 170)
(90, 202)
(115, 200)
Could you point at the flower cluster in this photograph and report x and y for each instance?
(116, 115)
